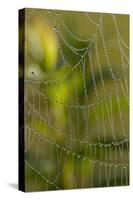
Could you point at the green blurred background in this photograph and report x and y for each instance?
(76, 99)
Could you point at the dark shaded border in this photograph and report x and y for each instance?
(21, 170)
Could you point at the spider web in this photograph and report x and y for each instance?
(89, 146)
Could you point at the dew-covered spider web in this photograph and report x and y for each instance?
(76, 100)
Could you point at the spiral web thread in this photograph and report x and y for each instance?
(96, 145)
